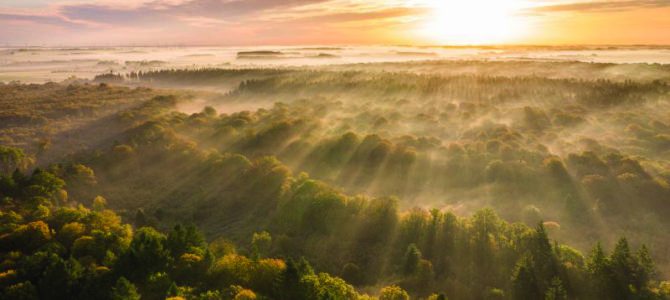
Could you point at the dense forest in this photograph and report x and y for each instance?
(337, 183)
(54, 248)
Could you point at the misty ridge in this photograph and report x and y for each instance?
(470, 178)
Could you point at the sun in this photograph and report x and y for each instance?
(473, 22)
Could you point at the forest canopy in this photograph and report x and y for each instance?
(344, 182)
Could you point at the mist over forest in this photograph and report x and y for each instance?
(335, 173)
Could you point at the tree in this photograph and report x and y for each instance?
(70, 232)
(183, 240)
(524, 282)
(424, 275)
(264, 275)
(157, 286)
(352, 273)
(173, 291)
(20, 178)
(99, 203)
(289, 282)
(27, 237)
(304, 268)
(79, 175)
(245, 295)
(44, 184)
(544, 259)
(12, 159)
(393, 293)
(141, 219)
(599, 268)
(209, 111)
(261, 243)
(124, 290)
(440, 296)
(59, 279)
(558, 171)
(556, 290)
(411, 260)
(624, 270)
(147, 255)
(645, 264)
(21, 291)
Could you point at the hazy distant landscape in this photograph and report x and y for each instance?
(42, 64)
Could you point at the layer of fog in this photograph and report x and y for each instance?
(36, 65)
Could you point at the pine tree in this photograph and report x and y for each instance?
(598, 266)
(411, 260)
(173, 291)
(556, 291)
(524, 282)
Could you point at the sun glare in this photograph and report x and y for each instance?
(473, 21)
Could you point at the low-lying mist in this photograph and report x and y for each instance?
(39, 65)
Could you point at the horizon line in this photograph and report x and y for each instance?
(501, 45)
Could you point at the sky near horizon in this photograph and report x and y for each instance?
(326, 22)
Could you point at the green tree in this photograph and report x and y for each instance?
(440, 296)
(173, 291)
(141, 219)
(352, 274)
(124, 290)
(183, 240)
(424, 276)
(261, 243)
(556, 290)
(544, 259)
(289, 286)
(147, 255)
(99, 203)
(411, 260)
(393, 293)
(645, 264)
(157, 286)
(524, 281)
(12, 159)
(624, 270)
(599, 268)
(21, 291)
(59, 280)
(44, 184)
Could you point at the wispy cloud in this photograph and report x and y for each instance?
(379, 14)
(56, 20)
(160, 11)
(203, 21)
(247, 21)
(601, 6)
(172, 17)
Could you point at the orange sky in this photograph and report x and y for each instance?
(291, 22)
(639, 26)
